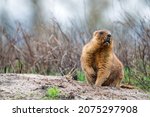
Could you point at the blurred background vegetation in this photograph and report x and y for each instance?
(47, 36)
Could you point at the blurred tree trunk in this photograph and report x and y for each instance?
(95, 12)
(37, 17)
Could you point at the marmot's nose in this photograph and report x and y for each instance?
(109, 35)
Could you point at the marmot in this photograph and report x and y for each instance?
(99, 63)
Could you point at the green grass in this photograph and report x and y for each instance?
(138, 79)
(80, 76)
(127, 76)
(53, 93)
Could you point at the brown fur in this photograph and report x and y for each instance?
(99, 63)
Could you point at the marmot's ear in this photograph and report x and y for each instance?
(95, 33)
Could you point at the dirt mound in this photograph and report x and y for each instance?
(30, 86)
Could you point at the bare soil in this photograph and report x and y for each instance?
(31, 86)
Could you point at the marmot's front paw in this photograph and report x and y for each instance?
(91, 72)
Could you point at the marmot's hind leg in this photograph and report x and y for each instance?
(117, 80)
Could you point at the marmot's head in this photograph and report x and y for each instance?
(103, 37)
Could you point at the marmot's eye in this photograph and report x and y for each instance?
(101, 33)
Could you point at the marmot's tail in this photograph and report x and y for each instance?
(127, 86)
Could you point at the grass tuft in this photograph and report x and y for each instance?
(53, 93)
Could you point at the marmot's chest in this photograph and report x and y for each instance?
(103, 59)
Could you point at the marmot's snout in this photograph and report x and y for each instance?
(109, 35)
(107, 40)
